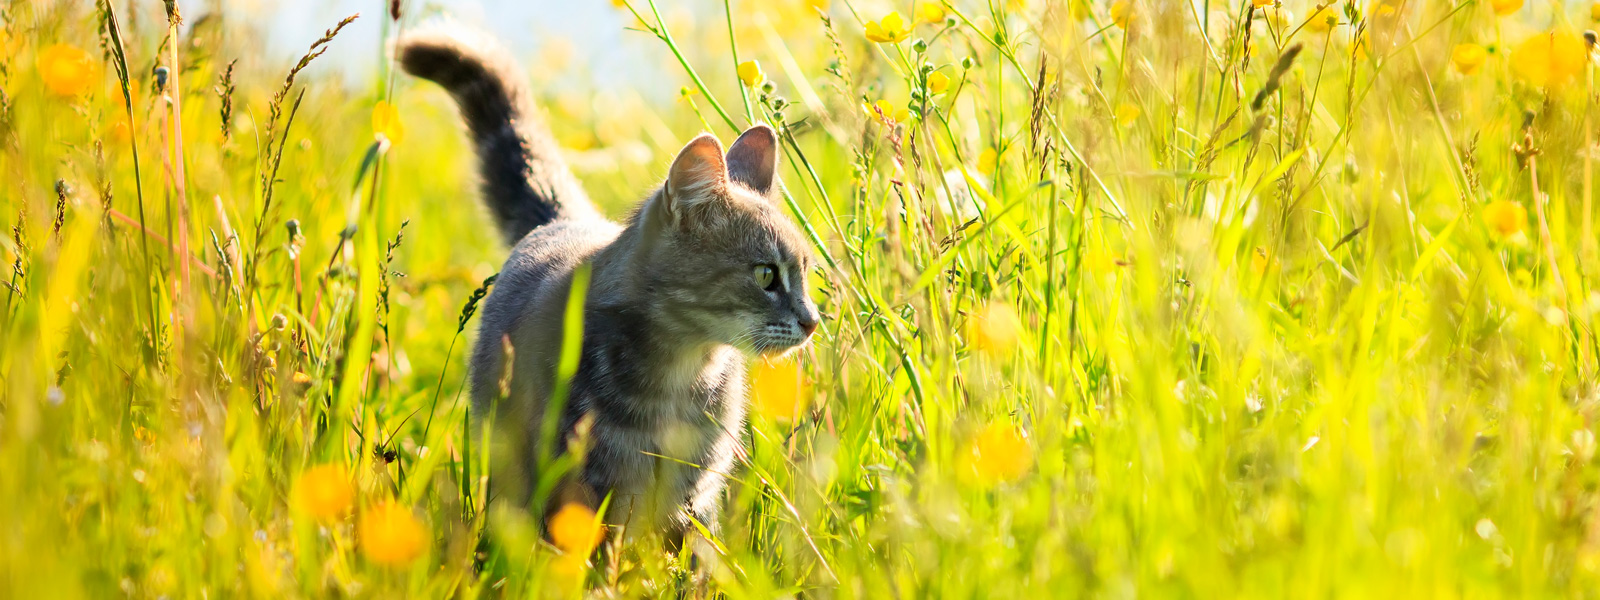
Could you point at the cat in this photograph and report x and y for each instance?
(705, 274)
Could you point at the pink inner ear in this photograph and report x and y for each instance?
(698, 168)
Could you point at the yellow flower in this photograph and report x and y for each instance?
(386, 120)
(929, 12)
(988, 159)
(778, 389)
(1261, 3)
(938, 82)
(890, 29)
(1122, 13)
(993, 328)
(325, 492)
(1549, 59)
(1260, 260)
(1594, 12)
(997, 454)
(391, 535)
(883, 109)
(1468, 58)
(575, 529)
(66, 70)
(1127, 113)
(1322, 19)
(1505, 7)
(1505, 218)
(750, 73)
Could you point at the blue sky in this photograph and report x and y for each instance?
(593, 29)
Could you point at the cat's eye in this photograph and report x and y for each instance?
(767, 277)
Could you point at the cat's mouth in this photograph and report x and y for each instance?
(777, 340)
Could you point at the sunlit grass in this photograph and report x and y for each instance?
(1133, 298)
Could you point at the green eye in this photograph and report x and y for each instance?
(767, 277)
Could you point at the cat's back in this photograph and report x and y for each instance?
(537, 273)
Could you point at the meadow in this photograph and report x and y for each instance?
(1145, 298)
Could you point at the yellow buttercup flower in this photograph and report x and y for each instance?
(1322, 19)
(325, 492)
(386, 120)
(988, 159)
(1261, 3)
(890, 29)
(1505, 218)
(1122, 13)
(997, 454)
(1127, 114)
(929, 12)
(750, 73)
(938, 82)
(994, 328)
(575, 530)
(1594, 12)
(66, 70)
(883, 109)
(1467, 58)
(391, 535)
(778, 389)
(1505, 7)
(1260, 260)
(1549, 59)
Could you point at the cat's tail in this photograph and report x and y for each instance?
(525, 182)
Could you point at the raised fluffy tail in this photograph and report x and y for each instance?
(525, 182)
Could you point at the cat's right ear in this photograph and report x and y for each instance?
(753, 159)
(697, 176)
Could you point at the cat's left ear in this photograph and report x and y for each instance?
(753, 159)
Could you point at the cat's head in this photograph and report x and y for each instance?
(726, 265)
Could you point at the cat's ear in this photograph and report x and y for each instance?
(753, 159)
(697, 176)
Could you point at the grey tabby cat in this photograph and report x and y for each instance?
(705, 273)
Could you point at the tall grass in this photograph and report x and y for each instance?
(1151, 298)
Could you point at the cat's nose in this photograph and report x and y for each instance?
(808, 320)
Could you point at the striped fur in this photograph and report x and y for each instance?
(524, 181)
(671, 315)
